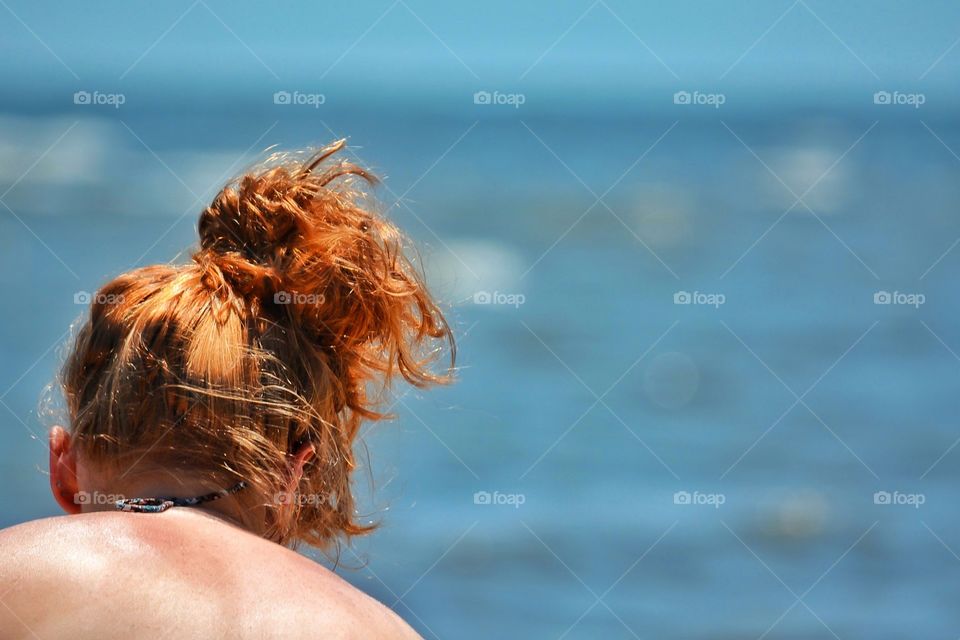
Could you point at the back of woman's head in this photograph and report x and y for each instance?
(297, 309)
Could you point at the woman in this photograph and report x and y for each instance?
(212, 412)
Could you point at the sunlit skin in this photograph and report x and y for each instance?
(192, 572)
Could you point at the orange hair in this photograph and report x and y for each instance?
(298, 302)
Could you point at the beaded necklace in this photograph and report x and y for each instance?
(156, 505)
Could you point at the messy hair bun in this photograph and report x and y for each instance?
(295, 239)
(298, 305)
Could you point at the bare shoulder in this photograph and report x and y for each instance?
(199, 568)
(29, 547)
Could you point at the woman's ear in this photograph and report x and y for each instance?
(288, 500)
(63, 471)
(296, 463)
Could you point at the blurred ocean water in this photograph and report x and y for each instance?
(586, 392)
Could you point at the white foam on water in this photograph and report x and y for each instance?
(804, 167)
(54, 156)
(467, 266)
(82, 155)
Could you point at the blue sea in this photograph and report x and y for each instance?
(708, 360)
